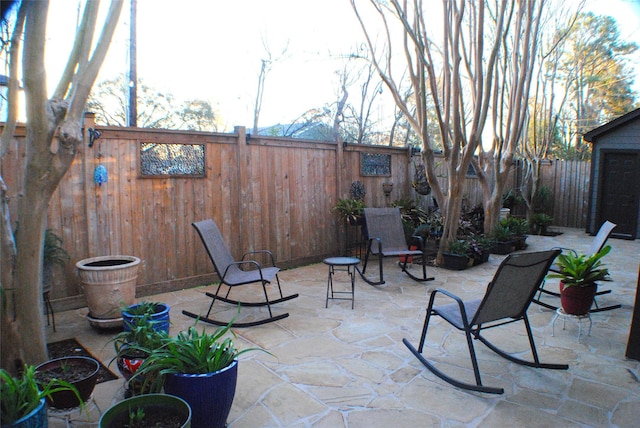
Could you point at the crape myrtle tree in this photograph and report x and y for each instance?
(479, 66)
(53, 135)
(547, 99)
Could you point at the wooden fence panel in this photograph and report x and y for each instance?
(264, 193)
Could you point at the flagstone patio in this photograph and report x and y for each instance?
(338, 367)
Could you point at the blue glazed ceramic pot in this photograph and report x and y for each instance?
(37, 418)
(209, 395)
(160, 318)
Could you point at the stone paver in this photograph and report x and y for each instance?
(338, 367)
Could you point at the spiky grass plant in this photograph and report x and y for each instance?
(189, 352)
(19, 396)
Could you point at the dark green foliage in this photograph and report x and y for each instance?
(19, 396)
(579, 269)
(189, 352)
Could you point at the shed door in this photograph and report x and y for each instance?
(619, 192)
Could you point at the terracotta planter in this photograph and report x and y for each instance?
(577, 300)
(409, 259)
(109, 282)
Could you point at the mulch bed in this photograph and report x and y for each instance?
(71, 347)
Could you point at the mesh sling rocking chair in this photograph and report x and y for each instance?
(506, 300)
(231, 273)
(386, 239)
(596, 245)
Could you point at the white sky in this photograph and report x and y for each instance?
(212, 49)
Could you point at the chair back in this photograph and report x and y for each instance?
(385, 224)
(214, 243)
(601, 237)
(512, 288)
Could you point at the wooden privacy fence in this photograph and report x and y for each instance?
(264, 193)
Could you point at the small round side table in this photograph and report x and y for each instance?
(340, 263)
(560, 313)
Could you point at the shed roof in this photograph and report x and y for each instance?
(593, 135)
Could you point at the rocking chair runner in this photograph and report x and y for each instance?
(506, 300)
(386, 239)
(596, 245)
(231, 273)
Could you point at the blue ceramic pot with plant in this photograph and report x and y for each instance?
(155, 313)
(210, 395)
(37, 418)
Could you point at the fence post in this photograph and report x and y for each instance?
(243, 159)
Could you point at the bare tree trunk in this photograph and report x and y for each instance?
(54, 133)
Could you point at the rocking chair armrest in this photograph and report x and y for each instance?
(563, 249)
(269, 253)
(243, 262)
(463, 311)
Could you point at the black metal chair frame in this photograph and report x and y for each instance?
(232, 275)
(388, 240)
(596, 245)
(499, 306)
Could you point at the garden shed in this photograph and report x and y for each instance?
(615, 175)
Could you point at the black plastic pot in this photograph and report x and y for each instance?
(85, 384)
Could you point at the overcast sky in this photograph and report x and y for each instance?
(212, 49)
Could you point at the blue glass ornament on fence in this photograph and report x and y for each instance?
(100, 175)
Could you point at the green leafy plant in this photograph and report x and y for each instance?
(459, 247)
(501, 233)
(580, 270)
(19, 396)
(350, 209)
(143, 309)
(135, 417)
(540, 222)
(54, 252)
(189, 352)
(516, 226)
(141, 339)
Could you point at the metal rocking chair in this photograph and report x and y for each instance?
(506, 300)
(596, 245)
(386, 239)
(231, 273)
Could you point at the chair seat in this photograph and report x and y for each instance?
(400, 252)
(451, 312)
(240, 277)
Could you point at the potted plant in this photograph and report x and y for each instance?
(23, 398)
(133, 345)
(150, 410)
(77, 371)
(503, 239)
(540, 222)
(518, 229)
(108, 283)
(480, 248)
(457, 257)
(154, 313)
(351, 210)
(579, 274)
(199, 367)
